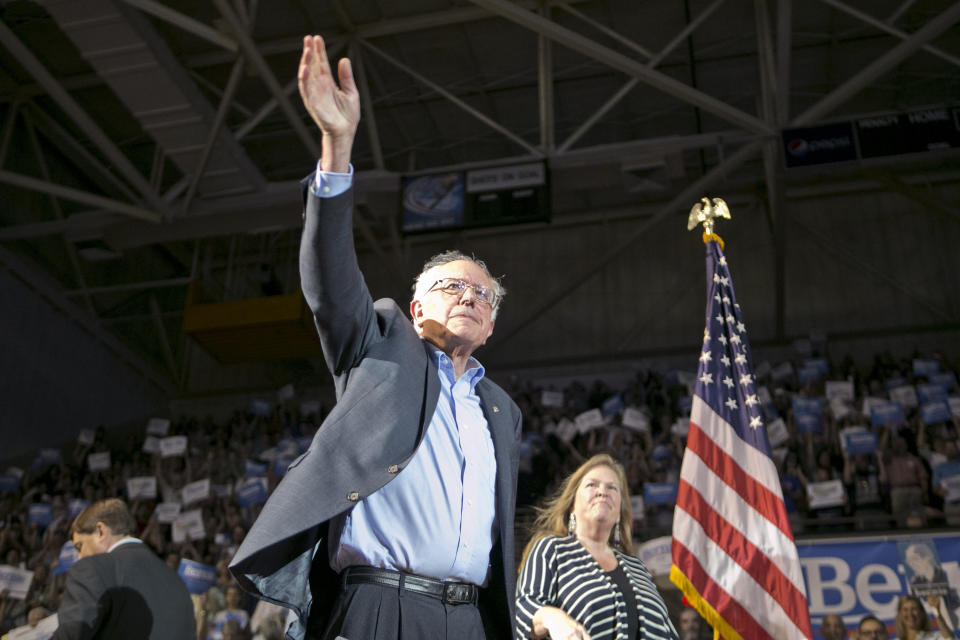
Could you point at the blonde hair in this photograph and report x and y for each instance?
(553, 517)
(902, 631)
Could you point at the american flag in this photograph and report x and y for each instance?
(734, 556)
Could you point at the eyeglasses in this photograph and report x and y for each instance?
(456, 287)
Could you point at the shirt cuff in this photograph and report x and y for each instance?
(327, 184)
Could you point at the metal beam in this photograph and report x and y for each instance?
(880, 66)
(58, 94)
(599, 26)
(883, 26)
(676, 207)
(50, 291)
(162, 334)
(186, 23)
(545, 87)
(455, 100)
(592, 49)
(75, 195)
(254, 56)
(370, 119)
(7, 133)
(130, 286)
(784, 53)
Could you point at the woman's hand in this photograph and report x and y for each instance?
(558, 625)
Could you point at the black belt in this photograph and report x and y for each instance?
(448, 592)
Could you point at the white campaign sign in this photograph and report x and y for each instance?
(167, 512)
(158, 427)
(635, 419)
(588, 420)
(15, 580)
(99, 461)
(551, 398)
(142, 487)
(195, 491)
(188, 526)
(173, 446)
(825, 494)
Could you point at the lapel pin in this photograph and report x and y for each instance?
(496, 409)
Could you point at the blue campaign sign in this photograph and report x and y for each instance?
(931, 392)
(925, 368)
(660, 492)
(613, 405)
(198, 577)
(947, 380)
(809, 374)
(936, 411)
(252, 491)
(9, 484)
(865, 576)
(68, 555)
(41, 514)
(861, 442)
(887, 412)
(75, 506)
(253, 469)
(260, 408)
(807, 413)
(820, 364)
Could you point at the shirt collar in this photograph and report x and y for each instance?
(124, 541)
(474, 371)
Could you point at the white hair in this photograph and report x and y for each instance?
(422, 284)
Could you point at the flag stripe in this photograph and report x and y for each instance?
(761, 499)
(734, 614)
(734, 511)
(741, 592)
(755, 562)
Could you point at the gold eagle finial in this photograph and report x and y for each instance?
(705, 211)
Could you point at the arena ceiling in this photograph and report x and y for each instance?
(145, 144)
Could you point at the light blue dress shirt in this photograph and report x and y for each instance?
(437, 518)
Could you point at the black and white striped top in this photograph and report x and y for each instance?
(559, 572)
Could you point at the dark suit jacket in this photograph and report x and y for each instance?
(127, 594)
(387, 389)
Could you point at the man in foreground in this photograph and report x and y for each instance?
(405, 498)
(119, 589)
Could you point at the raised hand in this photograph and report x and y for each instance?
(335, 109)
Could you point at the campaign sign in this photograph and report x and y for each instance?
(782, 371)
(951, 485)
(252, 491)
(869, 402)
(840, 408)
(613, 405)
(566, 429)
(99, 461)
(50, 456)
(188, 526)
(886, 413)
(954, 402)
(68, 555)
(75, 506)
(158, 427)
(660, 492)
(15, 580)
(938, 411)
(86, 436)
(777, 432)
(657, 555)
(637, 507)
(931, 392)
(864, 576)
(925, 368)
(588, 420)
(681, 427)
(9, 484)
(549, 398)
(808, 374)
(309, 407)
(16, 472)
(173, 446)
(195, 491)
(221, 490)
(167, 512)
(43, 630)
(906, 395)
(151, 444)
(807, 414)
(197, 576)
(860, 442)
(817, 363)
(635, 419)
(925, 575)
(40, 514)
(142, 487)
(288, 447)
(825, 494)
(842, 389)
(947, 380)
(254, 469)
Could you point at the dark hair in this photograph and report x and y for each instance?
(868, 618)
(113, 513)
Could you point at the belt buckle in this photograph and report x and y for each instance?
(457, 593)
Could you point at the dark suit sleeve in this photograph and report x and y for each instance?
(79, 608)
(332, 283)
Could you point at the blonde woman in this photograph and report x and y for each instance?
(579, 579)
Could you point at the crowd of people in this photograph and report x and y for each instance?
(909, 456)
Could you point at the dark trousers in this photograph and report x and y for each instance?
(375, 612)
